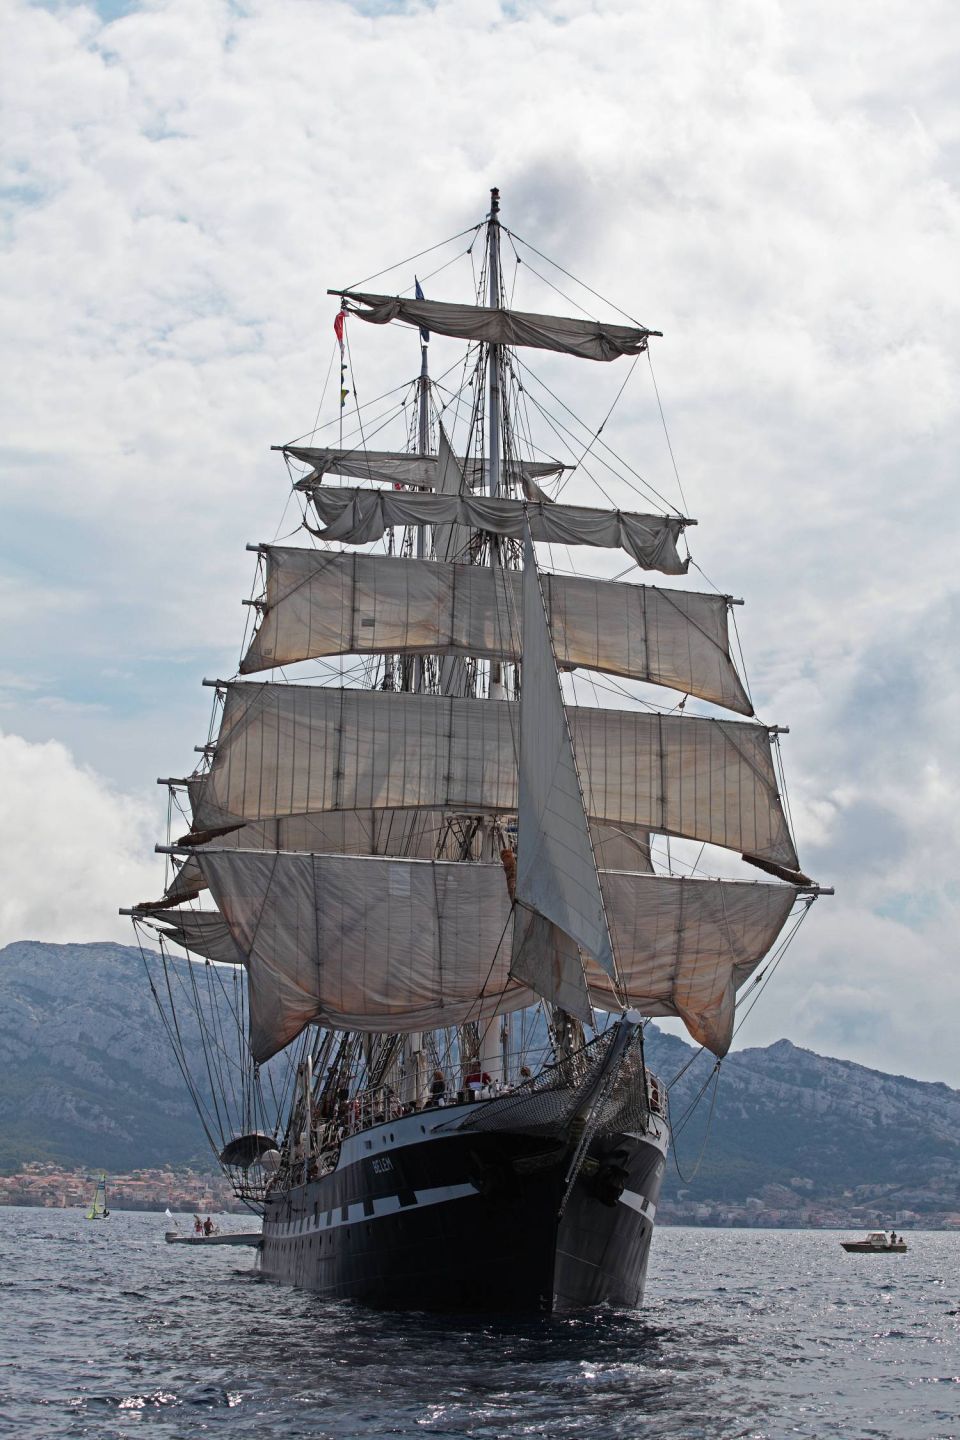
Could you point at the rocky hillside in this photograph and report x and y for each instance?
(87, 1077)
(783, 1113)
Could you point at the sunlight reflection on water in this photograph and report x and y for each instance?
(748, 1334)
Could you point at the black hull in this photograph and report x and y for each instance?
(416, 1220)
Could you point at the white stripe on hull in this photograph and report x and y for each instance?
(356, 1214)
(638, 1203)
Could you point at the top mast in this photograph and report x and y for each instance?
(496, 689)
(423, 448)
(423, 430)
(493, 357)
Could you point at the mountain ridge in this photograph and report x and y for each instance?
(87, 1077)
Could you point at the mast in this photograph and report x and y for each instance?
(423, 434)
(496, 689)
(492, 1037)
(423, 448)
(493, 353)
(412, 1057)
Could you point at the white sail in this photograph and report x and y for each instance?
(204, 932)
(546, 959)
(684, 947)
(450, 541)
(400, 467)
(556, 868)
(296, 749)
(413, 834)
(389, 945)
(332, 602)
(589, 339)
(359, 517)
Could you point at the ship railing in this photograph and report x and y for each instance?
(360, 1112)
(253, 1191)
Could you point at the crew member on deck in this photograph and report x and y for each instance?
(438, 1088)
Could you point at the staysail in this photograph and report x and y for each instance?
(556, 869)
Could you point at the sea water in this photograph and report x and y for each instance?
(106, 1331)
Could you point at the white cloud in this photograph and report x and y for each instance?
(776, 187)
(72, 849)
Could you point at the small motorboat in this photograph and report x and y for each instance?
(878, 1242)
(229, 1237)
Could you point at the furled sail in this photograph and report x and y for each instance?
(556, 867)
(332, 602)
(389, 945)
(294, 749)
(400, 467)
(359, 517)
(589, 339)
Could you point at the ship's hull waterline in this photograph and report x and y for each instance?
(416, 1220)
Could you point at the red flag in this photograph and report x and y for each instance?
(338, 325)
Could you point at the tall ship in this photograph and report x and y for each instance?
(471, 811)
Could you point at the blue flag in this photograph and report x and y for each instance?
(418, 291)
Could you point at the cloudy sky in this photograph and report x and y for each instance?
(773, 186)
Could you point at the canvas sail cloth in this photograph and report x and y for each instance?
(415, 834)
(557, 884)
(451, 542)
(387, 945)
(322, 602)
(297, 749)
(589, 339)
(204, 932)
(422, 472)
(360, 517)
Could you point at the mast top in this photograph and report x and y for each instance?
(494, 202)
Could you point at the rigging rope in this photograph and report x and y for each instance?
(470, 230)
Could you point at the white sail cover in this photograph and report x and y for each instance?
(556, 869)
(359, 517)
(388, 945)
(589, 339)
(399, 467)
(295, 749)
(333, 602)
